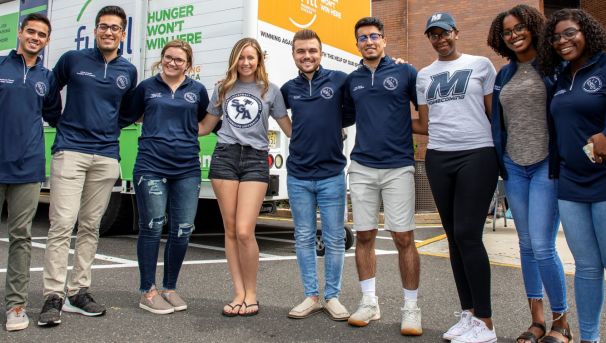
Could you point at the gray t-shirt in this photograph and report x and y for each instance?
(246, 114)
(523, 99)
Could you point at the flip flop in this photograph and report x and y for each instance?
(233, 307)
(250, 314)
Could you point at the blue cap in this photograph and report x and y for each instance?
(442, 20)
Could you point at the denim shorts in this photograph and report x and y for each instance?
(239, 162)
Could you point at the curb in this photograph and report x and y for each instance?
(420, 218)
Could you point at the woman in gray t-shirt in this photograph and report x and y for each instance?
(528, 165)
(239, 171)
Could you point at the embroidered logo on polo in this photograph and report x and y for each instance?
(122, 82)
(592, 84)
(390, 83)
(444, 87)
(327, 93)
(190, 97)
(8, 81)
(40, 88)
(243, 110)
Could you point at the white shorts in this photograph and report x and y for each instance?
(396, 187)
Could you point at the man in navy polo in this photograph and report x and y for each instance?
(28, 94)
(382, 169)
(85, 163)
(315, 173)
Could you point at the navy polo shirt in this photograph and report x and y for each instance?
(168, 145)
(381, 101)
(579, 112)
(316, 144)
(27, 95)
(95, 88)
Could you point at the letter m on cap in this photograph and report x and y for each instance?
(436, 17)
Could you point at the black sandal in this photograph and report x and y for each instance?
(233, 307)
(559, 329)
(531, 337)
(250, 314)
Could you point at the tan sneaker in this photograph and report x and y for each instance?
(16, 319)
(155, 304)
(175, 300)
(335, 310)
(305, 309)
(411, 319)
(367, 310)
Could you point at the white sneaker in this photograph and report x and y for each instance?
(411, 319)
(16, 319)
(478, 333)
(367, 310)
(460, 327)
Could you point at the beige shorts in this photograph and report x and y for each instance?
(395, 187)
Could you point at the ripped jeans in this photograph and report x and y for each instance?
(163, 201)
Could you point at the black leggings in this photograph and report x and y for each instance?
(462, 183)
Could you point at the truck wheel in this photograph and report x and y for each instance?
(119, 215)
(321, 249)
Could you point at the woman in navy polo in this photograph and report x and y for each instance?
(573, 49)
(167, 171)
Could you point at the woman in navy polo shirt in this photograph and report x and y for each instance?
(525, 146)
(167, 171)
(578, 109)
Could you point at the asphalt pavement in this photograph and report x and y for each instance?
(205, 284)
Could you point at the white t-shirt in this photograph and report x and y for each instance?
(454, 92)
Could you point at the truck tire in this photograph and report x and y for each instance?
(321, 249)
(119, 216)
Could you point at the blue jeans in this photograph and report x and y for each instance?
(585, 229)
(158, 200)
(305, 197)
(532, 197)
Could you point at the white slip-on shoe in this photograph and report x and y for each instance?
(336, 310)
(305, 309)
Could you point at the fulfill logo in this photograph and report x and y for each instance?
(243, 110)
(444, 87)
(190, 97)
(40, 88)
(309, 7)
(592, 84)
(327, 93)
(83, 36)
(390, 83)
(122, 82)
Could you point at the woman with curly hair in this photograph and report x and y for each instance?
(239, 171)
(523, 138)
(578, 109)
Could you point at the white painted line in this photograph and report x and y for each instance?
(106, 258)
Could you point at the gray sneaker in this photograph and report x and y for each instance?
(155, 304)
(16, 319)
(51, 311)
(83, 303)
(175, 300)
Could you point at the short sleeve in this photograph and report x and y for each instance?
(278, 109)
(490, 75)
(421, 87)
(213, 107)
(202, 103)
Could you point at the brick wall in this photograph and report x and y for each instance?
(597, 8)
(405, 25)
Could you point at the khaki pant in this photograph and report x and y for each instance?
(81, 185)
(22, 202)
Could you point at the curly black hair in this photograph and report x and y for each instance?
(527, 15)
(593, 31)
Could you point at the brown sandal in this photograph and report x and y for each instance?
(531, 337)
(562, 330)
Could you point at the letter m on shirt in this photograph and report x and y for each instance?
(447, 85)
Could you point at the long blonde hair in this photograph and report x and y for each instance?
(180, 44)
(231, 76)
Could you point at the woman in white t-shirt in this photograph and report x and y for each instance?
(239, 170)
(454, 96)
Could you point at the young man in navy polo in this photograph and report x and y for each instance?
(85, 163)
(315, 173)
(28, 94)
(382, 169)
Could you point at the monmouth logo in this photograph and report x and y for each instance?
(85, 34)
